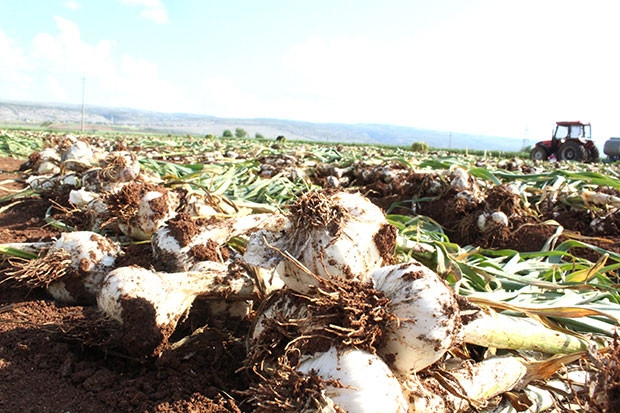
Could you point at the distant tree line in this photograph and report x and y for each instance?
(239, 133)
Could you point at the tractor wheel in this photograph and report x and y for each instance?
(539, 153)
(594, 154)
(572, 151)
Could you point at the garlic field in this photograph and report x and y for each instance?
(171, 274)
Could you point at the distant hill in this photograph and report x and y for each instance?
(120, 119)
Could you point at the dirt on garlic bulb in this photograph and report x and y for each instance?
(141, 208)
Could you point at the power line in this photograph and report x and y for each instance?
(83, 102)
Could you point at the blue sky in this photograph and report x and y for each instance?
(490, 67)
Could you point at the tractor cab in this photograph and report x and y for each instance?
(571, 141)
(574, 130)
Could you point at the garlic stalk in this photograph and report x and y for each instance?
(488, 328)
(24, 249)
(462, 385)
(552, 392)
(458, 389)
(427, 316)
(598, 198)
(356, 381)
(149, 304)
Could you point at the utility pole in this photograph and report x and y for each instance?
(83, 102)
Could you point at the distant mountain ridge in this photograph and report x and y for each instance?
(102, 118)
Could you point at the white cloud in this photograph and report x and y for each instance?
(136, 83)
(12, 58)
(352, 79)
(61, 59)
(15, 68)
(153, 10)
(68, 53)
(220, 96)
(138, 68)
(59, 94)
(73, 5)
(342, 65)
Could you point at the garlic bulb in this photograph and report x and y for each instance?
(341, 234)
(279, 307)
(149, 304)
(185, 241)
(460, 178)
(499, 218)
(118, 169)
(42, 182)
(120, 166)
(366, 384)
(272, 233)
(487, 221)
(81, 197)
(78, 157)
(350, 250)
(428, 316)
(46, 162)
(74, 266)
(142, 208)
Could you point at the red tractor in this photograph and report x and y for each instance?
(571, 141)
